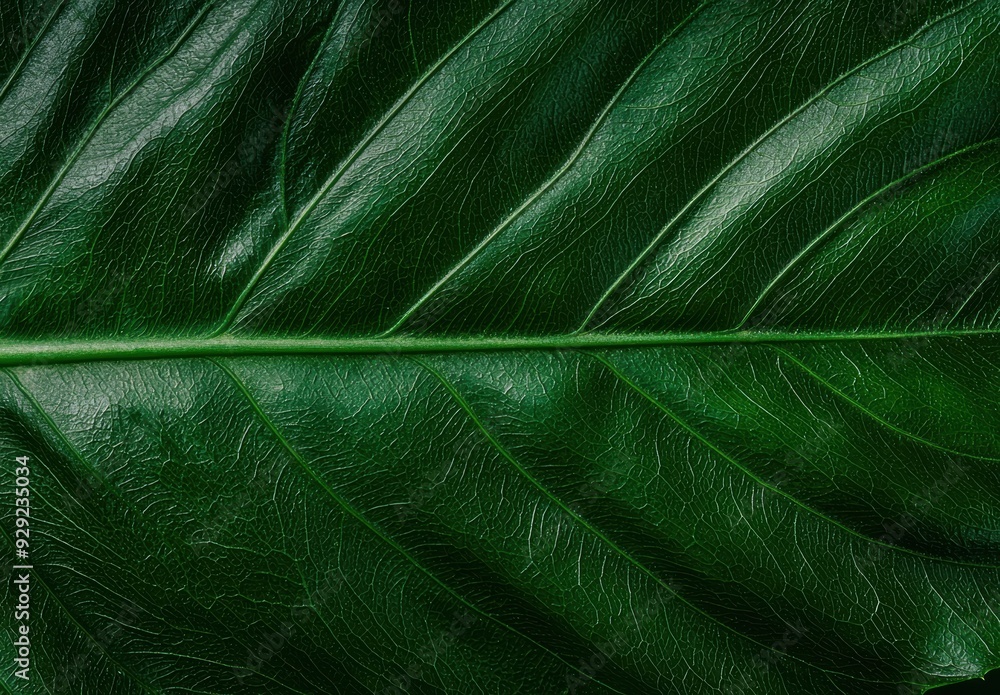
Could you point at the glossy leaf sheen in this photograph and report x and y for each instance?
(503, 347)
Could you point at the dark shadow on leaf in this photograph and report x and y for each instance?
(989, 686)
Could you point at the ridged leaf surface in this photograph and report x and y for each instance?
(535, 346)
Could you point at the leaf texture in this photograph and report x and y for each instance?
(503, 346)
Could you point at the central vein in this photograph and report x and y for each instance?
(56, 351)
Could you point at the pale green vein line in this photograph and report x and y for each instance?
(85, 140)
(262, 416)
(817, 240)
(60, 435)
(882, 421)
(36, 576)
(15, 353)
(286, 127)
(332, 303)
(351, 158)
(363, 520)
(547, 185)
(973, 293)
(652, 246)
(53, 426)
(27, 53)
(597, 533)
(778, 491)
(409, 29)
(111, 489)
(229, 667)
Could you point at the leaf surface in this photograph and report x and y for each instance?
(564, 346)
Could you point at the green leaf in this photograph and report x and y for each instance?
(502, 347)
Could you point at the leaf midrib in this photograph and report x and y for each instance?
(52, 351)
